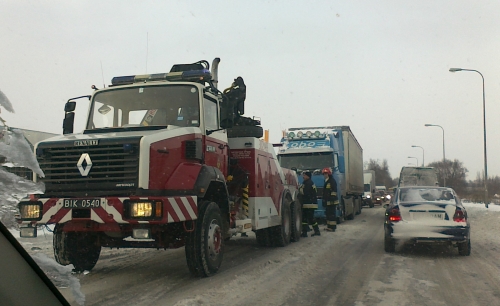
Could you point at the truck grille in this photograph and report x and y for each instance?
(114, 164)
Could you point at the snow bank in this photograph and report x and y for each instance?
(15, 151)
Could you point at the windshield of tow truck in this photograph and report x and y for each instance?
(307, 161)
(149, 105)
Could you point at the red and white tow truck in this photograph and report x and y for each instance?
(166, 160)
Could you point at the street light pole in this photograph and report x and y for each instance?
(423, 154)
(415, 158)
(444, 156)
(484, 132)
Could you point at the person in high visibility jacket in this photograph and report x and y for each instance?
(330, 199)
(309, 200)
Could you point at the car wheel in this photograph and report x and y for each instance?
(389, 244)
(464, 248)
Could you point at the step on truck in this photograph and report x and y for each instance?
(314, 148)
(166, 160)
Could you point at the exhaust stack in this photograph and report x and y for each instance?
(215, 71)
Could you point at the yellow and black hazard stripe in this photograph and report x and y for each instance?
(310, 206)
(245, 200)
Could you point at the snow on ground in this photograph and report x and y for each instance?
(261, 271)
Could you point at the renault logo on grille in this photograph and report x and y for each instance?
(84, 171)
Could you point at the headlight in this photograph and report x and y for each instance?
(141, 209)
(368, 196)
(147, 209)
(389, 196)
(30, 211)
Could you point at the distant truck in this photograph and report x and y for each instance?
(314, 148)
(369, 187)
(417, 176)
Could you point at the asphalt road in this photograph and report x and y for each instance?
(348, 267)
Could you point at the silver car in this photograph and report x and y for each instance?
(427, 214)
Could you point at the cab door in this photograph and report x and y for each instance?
(216, 149)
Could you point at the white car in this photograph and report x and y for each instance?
(427, 214)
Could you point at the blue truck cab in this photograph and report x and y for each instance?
(334, 147)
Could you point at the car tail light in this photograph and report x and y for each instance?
(459, 216)
(394, 215)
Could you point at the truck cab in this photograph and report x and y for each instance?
(314, 148)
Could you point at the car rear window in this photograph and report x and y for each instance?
(426, 195)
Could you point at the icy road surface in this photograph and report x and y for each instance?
(348, 267)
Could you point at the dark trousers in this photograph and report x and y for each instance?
(308, 219)
(331, 217)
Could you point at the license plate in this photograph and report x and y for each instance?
(81, 203)
(420, 216)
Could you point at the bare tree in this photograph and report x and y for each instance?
(382, 175)
(455, 173)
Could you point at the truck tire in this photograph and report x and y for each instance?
(80, 249)
(205, 245)
(245, 131)
(281, 234)
(263, 237)
(340, 214)
(351, 215)
(359, 206)
(296, 221)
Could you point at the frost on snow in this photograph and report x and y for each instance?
(5, 102)
(15, 150)
(61, 276)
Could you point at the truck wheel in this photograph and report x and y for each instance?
(82, 250)
(296, 221)
(205, 245)
(59, 243)
(360, 205)
(281, 234)
(263, 237)
(340, 215)
(245, 131)
(371, 204)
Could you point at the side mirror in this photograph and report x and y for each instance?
(69, 106)
(69, 120)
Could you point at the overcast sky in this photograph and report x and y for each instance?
(380, 67)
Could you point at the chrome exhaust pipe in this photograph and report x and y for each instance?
(215, 71)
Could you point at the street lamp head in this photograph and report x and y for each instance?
(414, 146)
(427, 124)
(455, 69)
